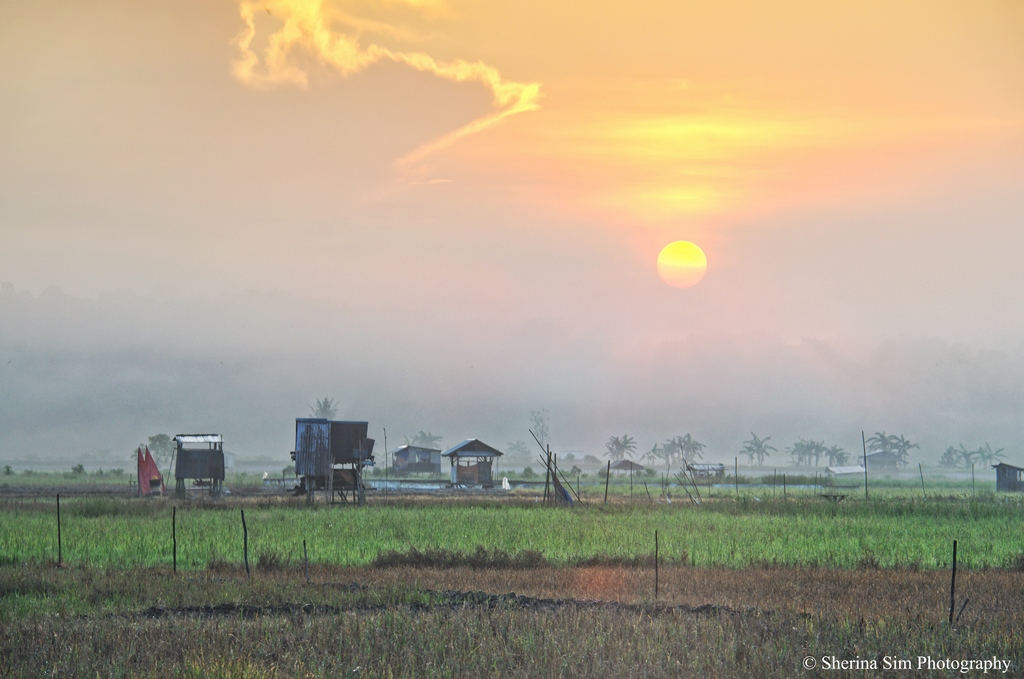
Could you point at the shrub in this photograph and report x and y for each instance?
(78, 469)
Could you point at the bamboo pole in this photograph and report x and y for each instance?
(174, 536)
(864, 443)
(655, 565)
(245, 545)
(607, 478)
(952, 586)
(547, 473)
(60, 547)
(920, 470)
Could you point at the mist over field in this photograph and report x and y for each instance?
(88, 379)
(214, 213)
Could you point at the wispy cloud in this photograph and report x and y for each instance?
(309, 25)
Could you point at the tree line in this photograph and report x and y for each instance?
(682, 450)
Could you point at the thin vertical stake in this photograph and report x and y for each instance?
(952, 586)
(736, 475)
(783, 486)
(920, 470)
(305, 559)
(972, 479)
(60, 549)
(174, 536)
(864, 443)
(245, 545)
(655, 565)
(607, 478)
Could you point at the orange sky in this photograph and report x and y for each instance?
(659, 121)
(853, 170)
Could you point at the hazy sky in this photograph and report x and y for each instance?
(446, 214)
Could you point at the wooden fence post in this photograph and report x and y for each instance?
(920, 470)
(174, 536)
(864, 444)
(60, 548)
(245, 545)
(607, 478)
(952, 586)
(736, 475)
(305, 559)
(655, 565)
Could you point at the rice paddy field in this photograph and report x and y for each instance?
(478, 585)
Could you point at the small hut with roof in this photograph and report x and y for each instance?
(473, 463)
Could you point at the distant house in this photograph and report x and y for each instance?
(472, 463)
(705, 470)
(883, 462)
(414, 459)
(330, 455)
(199, 458)
(841, 471)
(627, 466)
(1009, 478)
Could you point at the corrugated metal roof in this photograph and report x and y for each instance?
(199, 438)
(626, 465)
(472, 448)
(858, 469)
(706, 467)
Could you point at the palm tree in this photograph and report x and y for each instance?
(837, 456)
(325, 407)
(966, 455)
(673, 450)
(987, 456)
(882, 442)
(658, 454)
(950, 459)
(902, 449)
(425, 439)
(798, 452)
(620, 447)
(690, 449)
(758, 448)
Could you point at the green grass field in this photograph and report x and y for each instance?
(892, 532)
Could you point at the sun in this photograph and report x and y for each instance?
(682, 264)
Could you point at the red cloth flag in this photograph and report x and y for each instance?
(143, 473)
(149, 473)
(155, 477)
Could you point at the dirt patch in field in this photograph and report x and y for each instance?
(437, 601)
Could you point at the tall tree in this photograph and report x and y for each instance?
(691, 449)
(950, 459)
(657, 454)
(539, 425)
(425, 439)
(325, 407)
(161, 447)
(620, 447)
(837, 456)
(758, 449)
(902, 447)
(966, 455)
(988, 456)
